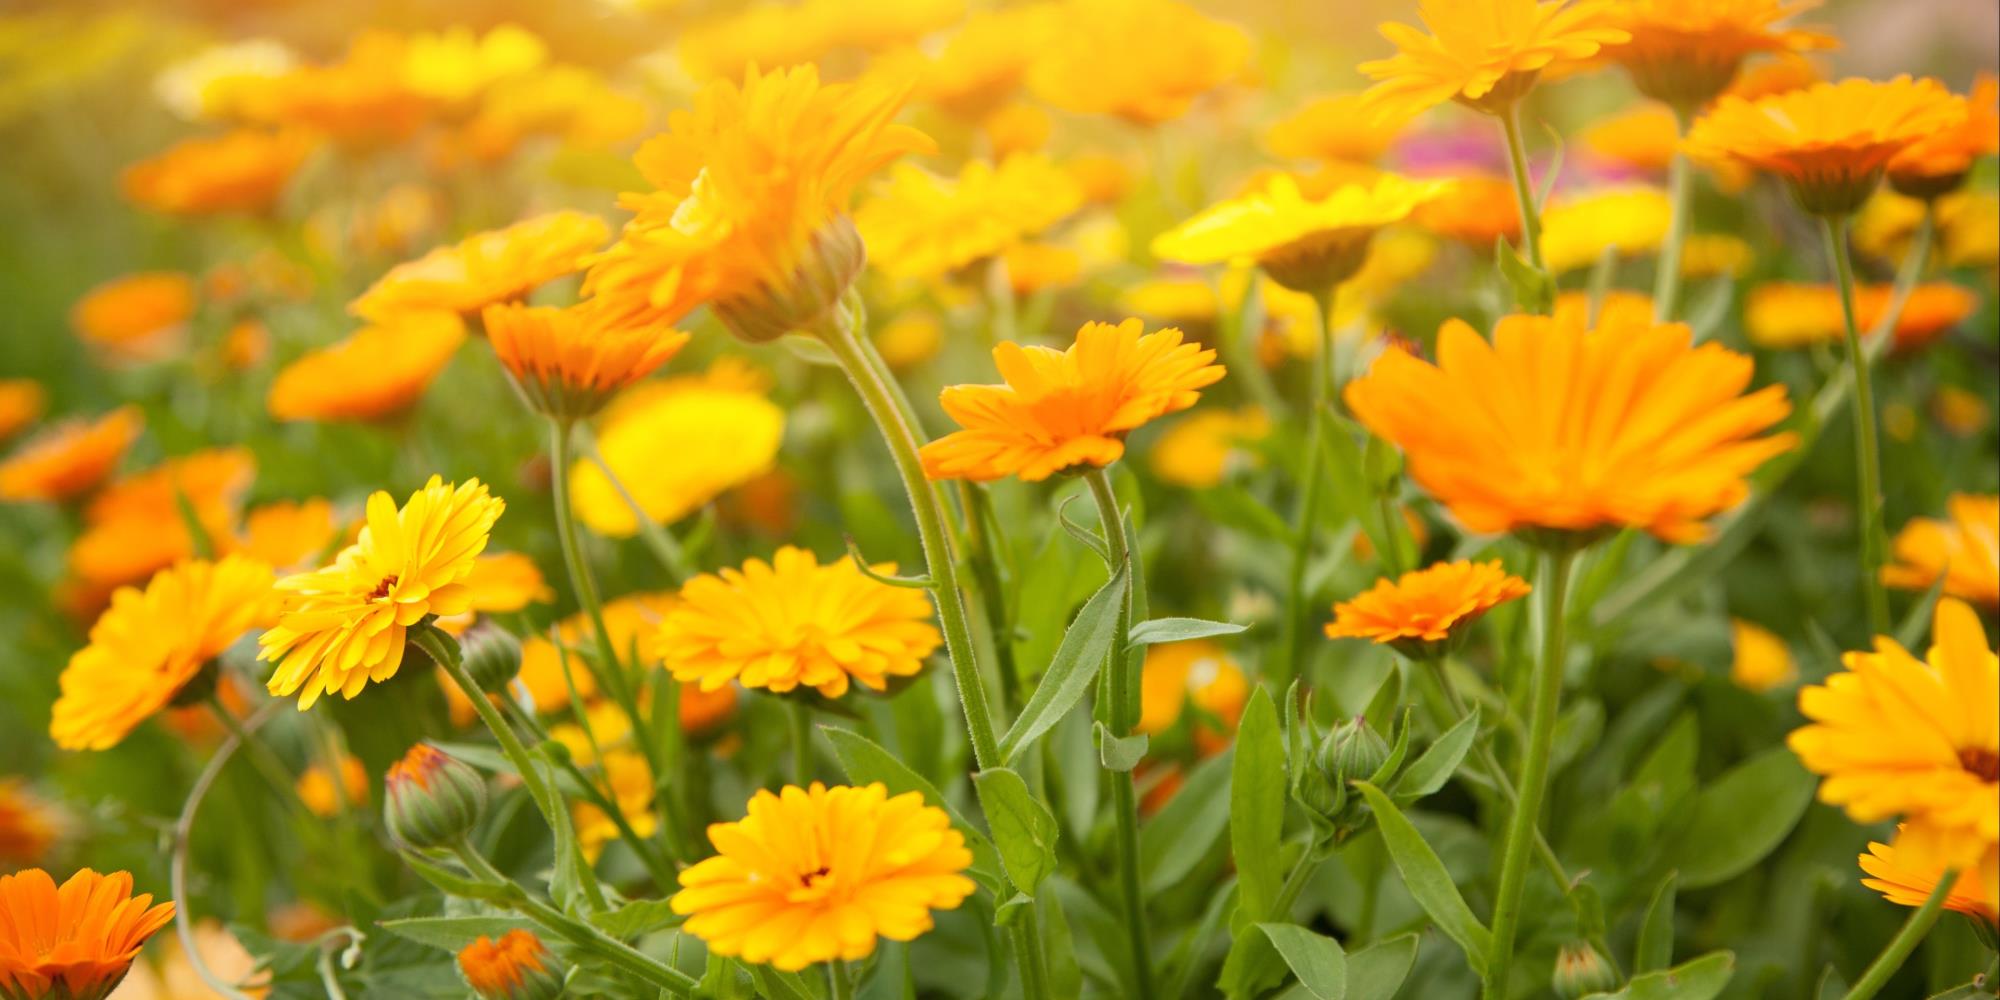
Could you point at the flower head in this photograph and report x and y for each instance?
(1761, 661)
(378, 371)
(324, 790)
(1142, 60)
(69, 458)
(1199, 450)
(28, 826)
(516, 967)
(430, 798)
(1424, 611)
(362, 101)
(499, 265)
(1553, 427)
(792, 622)
(139, 317)
(242, 171)
(74, 942)
(568, 362)
(817, 874)
(1686, 52)
(21, 403)
(345, 625)
(630, 783)
(1907, 872)
(1306, 244)
(1484, 54)
(986, 61)
(1060, 409)
(1937, 163)
(1784, 314)
(139, 524)
(725, 430)
(1964, 550)
(925, 226)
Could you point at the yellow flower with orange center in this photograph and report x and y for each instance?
(922, 226)
(1425, 612)
(1797, 314)
(1937, 163)
(1336, 129)
(817, 874)
(1474, 209)
(324, 794)
(628, 782)
(1201, 449)
(1964, 551)
(21, 403)
(1907, 872)
(1484, 54)
(74, 942)
(242, 171)
(28, 826)
(139, 317)
(379, 371)
(792, 622)
(138, 525)
(1553, 427)
(1145, 61)
(1304, 243)
(1761, 660)
(1195, 673)
(516, 965)
(345, 625)
(1687, 52)
(70, 457)
(499, 265)
(567, 362)
(1894, 735)
(1830, 142)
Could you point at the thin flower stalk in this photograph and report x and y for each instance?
(1324, 392)
(1524, 186)
(1867, 449)
(1906, 940)
(1667, 270)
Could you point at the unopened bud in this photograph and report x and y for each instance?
(432, 798)
(1580, 971)
(1352, 752)
(516, 967)
(492, 657)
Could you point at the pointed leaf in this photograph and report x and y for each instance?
(1315, 958)
(1179, 630)
(1024, 830)
(1180, 835)
(1656, 933)
(1377, 971)
(1119, 753)
(1257, 808)
(1076, 662)
(1426, 878)
(1740, 817)
(1702, 979)
(1430, 771)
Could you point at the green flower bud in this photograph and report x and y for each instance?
(516, 967)
(1580, 971)
(492, 656)
(1352, 752)
(432, 798)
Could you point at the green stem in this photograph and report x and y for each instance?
(840, 980)
(1905, 941)
(268, 766)
(1524, 186)
(1667, 275)
(1298, 609)
(982, 545)
(1546, 697)
(1867, 455)
(177, 863)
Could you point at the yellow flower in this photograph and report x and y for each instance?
(345, 625)
(1962, 413)
(792, 622)
(1037, 267)
(139, 317)
(136, 526)
(214, 84)
(1578, 228)
(1061, 409)
(572, 103)
(1937, 163)
(362, 101)
(629, 782)
(69, 458)
(1907, 873)
(1145, 61)
(1790, 314)
(1194, 672)
(153, 644)
(1965, 551)
(1553, 427)
(378, 371)
(817, 874)
(1199, 450)
(501, 265)
(75, 942)
(776, 35)
(1686, 52)
(1715, 255)
(982, 66)
(1762, 661)
(922, 226)
(1305, 244)
(242, 171)
(1335, 129)
(1424, 612)
(1968, 227)
(323, 798)
(1895, 735)
(28, 826)
(910, 339)
(1484, 54)
(724, 435)
(21, 403)
(455, 66)
(568, 362)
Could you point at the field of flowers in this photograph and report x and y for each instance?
(827, 499)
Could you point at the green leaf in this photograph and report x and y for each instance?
(1119, 753)
(1426, 878)
(1178, 630)
(1024, 830)
(455, 884)
(779, 985)
(1429, 772)
(1655, 949)
(1701, 979)
(1076, 662)
(1917, 623)
(1315, 958)
(1257, 808)
(1377, 971)
(1180, 835)
(865, 762)
(637, 918)
(453, 933)
(1534, 289)
(1740, 817)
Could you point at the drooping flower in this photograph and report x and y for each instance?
(242, 171)
(1145, 61)
(1761, 661)
(817, 874)
(1484, 54)
(1425, 611)
(1195, 673)
(69, 458)
(1687, 52)
(1200, 449)
(1906, 873)
(1335, 129)
(1578, 228)
(1798, 314)
(137, 318)
(629, 783)
(1556, 428)
(516, 967)
(792, 622)
(323, 789)
(567, 362)
(1305, 244)
(922, 226)
(499, 265)
(1936, 164)
(1060, 409)
(378, 371)
(1964, 550)
(75, 942)
(345, 625)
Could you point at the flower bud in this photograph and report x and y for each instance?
(492, 657)
(433, 798)
(516, 967)
(1580, 970)
(800, 302)
(1352, 752)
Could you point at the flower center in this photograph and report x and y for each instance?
(382, 589)
(1981, 762)
(811, 878)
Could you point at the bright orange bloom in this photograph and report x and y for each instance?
(378, 371)
(69, 458)
(1964, 550)
(139, 317)
(75, 942)
(28, 826)
(1476, 210)
(500, 265)
(504, 968)
(287, 535)
(1424, 611)
(1797, 314)
(1142, 60)
(243, 171)
(21, 403)
(1061, 409)
(1484, 54)
(1553, 427)
(1907, 873)
(568, 362)
(1195, 672)
(1686, 52)
(1937, 163)
(138, 525)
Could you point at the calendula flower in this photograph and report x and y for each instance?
(1646, 138)
(500, 583)
(1195, 673)
(726, 434)
(1687, 52)
(984, 64)
(1578, 228)
(214, 84)
(1967, 228)
(22, 401)
(28, 826)
(323, 794)
(1474, 209)
(75, 942)
(1424, 612)
(1964, 550)
(150, 648)
(792, 622)
(69, 458)
(1920, 738)
(817, 874)
(457, 65)
(1335, 129)
(345, 625)
(1616, 307)
(1762, 661)
(500, 265)
(1556, 428)
(571, 103)
(1906, 874)
(630, 785)
(139, 317)
(1199, 450)
(750, 190)
(378, 371)
(516, 967)
(1484, 54)
(362, 101)
(1937, 163)
(1145, 61)
(1061, 409)
(241, 171)
(288, 535)
(138, 524)
(567, 362)
(1796, 314)
(1305, 244)
(1960, 412)
(910, 339)
(922, 226)
(1829, 143)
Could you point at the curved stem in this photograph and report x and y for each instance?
(1905, 941)
(1867, 454)
(1524, 186)
(184, 829)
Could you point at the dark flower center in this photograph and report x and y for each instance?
(382, 589)
(812, 877)
(1984, 763)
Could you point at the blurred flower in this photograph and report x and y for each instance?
(172, 975)
(1655, 432)
(46, 52)
(1199, 450)
(1305, 244)
(1643, 138)
(345, 625)
(910, 339)
(571, 103)
(778, 35)
(723, 436)
(1578, 228)
(362, 101)
(242, 171)
(139, 524)
(1035, 267)
(322, 798)
(567, 362)
(1336, 129)
(1687, 52)
(1193, 672)
(75, 942)
(1906, 874)
(137, 318)
(1761, 661)
(1484, 54)
(1964, 550)
(245, 345)
(792, 622)
(1795, 314)
(22, 401)
(69, 458)
(516, 967)
(921, 226)
(1181, 301)
(1715, 255)
(378, 371)
(1829, 142)
(1967, 233)
(28, 826)
(456, 65)
(500, 265)
(1424, 612)
(503, 582)
(1104, 177)
(1937, 163)
(1962, 413)
(288, 535)
(1062, 409)
(824, 858)
(1897, 735)
(213, 84)
(1141, 60)
(1477, 210)
(630, 786)
(983, 65)
(1785, 72)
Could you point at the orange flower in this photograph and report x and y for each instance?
(1686, 52)
(568, 362)
(138, 525)
(1476, 210)
(1553, 427)
(983, 65)
(1061, 409)
(1937, 163)
(69, 458)
(1484, 54)
(1907, 873)
(1142, 60)
(1194, 672)
(1335, 129)
(1793, 314)
(75, 942)
(1829, 142)
(500, 265)
(1964, 550)
(21, 403)
(377, 372)
(362, 101)
(1424, 612)
(322, 797)
(287, 535)
(244, 171)
(139, 317)
(516, 966)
